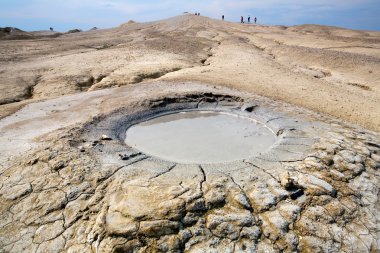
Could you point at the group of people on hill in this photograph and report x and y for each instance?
(249, 19)
(242, 19)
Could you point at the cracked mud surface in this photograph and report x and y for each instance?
(81, 189)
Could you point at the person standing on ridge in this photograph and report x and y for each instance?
(223, 17)
(249, 19)
(255, 20)
(242, 19)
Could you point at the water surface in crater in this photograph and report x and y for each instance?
(200, 137)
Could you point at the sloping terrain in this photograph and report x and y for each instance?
(300, 65)
(70, 183)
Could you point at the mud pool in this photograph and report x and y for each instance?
(200, 137)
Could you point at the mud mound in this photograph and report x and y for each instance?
(129, 23)
(11, 33)
(74, 31)
(83, 189)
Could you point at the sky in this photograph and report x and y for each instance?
(63, 15)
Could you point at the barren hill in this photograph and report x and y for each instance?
(326, 69)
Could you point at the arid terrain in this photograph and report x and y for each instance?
(302, 65)
(69, 183)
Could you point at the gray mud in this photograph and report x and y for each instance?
(201, 137)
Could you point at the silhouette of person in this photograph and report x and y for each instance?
(242, 19)
(222, 17)
(249, 19)
(255, 20)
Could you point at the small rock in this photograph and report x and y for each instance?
(105, 138)
(33, 161)
(248, 107)
(296, 194)
(286, 180)
(280, 131)
(126, 157)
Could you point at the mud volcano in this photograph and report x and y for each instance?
(69, 182)
(201, 137)
(256, 176)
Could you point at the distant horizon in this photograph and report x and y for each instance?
(39, 15)
(126, 21)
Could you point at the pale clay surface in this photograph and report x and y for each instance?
(325, 69)
(68, 183)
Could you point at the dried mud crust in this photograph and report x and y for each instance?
(316, 190)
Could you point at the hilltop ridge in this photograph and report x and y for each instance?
(300, 65)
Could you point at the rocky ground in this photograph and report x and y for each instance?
(68, 182)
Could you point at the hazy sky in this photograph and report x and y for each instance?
(85, 14)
